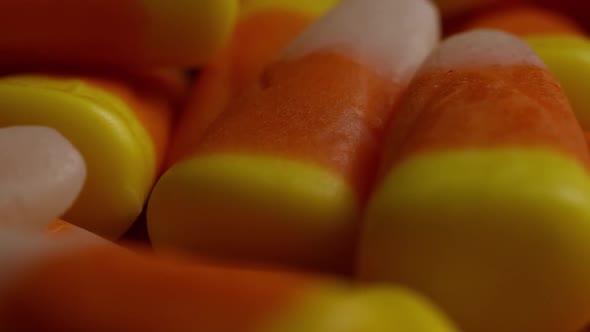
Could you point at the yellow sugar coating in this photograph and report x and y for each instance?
(254, 208)
(498, 238)
(568, 59)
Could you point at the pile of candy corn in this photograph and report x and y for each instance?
(296, 165)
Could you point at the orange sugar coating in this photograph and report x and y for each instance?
(323, 108)
(95, 38)
(526, 20)
(256, 42)
(485, 107)
(259, 38)
(114, 290)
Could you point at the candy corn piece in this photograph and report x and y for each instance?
(264, 28)
(281, 176)
(568, 59)
(526, 20)
(120, 126)
(484, 205)
(66, 286)
(41, 174)
(122, 33)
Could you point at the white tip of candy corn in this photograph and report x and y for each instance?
(391, 36)
(41, 175)
(482, 48)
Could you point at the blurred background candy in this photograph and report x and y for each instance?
(107, 33)
(525, 20)
(70, 285)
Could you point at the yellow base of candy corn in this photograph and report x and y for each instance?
(568, 59)
(254, 208)
(371, 309)
(118, 152)
(499, 239)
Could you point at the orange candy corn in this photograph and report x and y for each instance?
(484, 200)
(281, 176)
(264, 28)
(537, 104)
(49, 285)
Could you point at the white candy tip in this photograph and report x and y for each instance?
(482, 48)
(41, 175)
(391, 36)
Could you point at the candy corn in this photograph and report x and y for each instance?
(484, 205)
(122, 33)
(264, 28)
(282, 175)
(41, 174)
(120, 125)
(67, 286)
